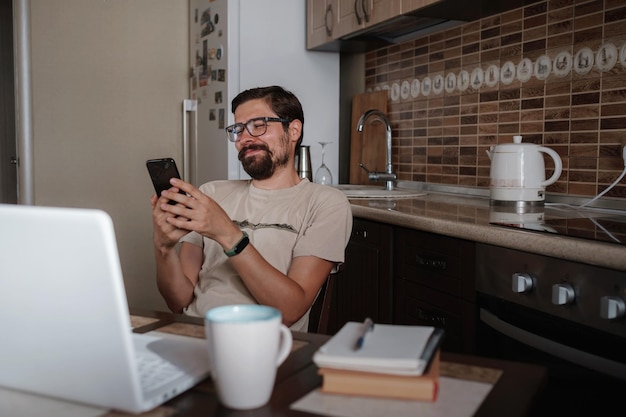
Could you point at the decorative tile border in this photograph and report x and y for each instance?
(553, 71)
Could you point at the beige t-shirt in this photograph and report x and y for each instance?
(304, 220)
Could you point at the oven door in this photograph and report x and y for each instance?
(586, 368)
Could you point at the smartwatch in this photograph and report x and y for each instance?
(239, 246)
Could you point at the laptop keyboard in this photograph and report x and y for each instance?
(155, 372)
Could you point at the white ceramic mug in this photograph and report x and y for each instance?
(246, 344)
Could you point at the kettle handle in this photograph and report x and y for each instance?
(558, 165)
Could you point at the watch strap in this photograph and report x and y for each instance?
(239, 246)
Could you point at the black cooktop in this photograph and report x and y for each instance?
(584, 224)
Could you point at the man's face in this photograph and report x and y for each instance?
(261, 155)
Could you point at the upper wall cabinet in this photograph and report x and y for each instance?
(354, 15)
(330, 20)
(321, 16)
(361, 25)
(412, 5)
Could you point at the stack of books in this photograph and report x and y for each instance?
(382, 360)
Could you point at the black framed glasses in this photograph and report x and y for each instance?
(255, 127)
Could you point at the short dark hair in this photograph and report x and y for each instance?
(284, 103)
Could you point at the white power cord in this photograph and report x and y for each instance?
(612, 185)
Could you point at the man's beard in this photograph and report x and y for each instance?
(262, 166)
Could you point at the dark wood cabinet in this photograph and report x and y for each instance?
(364, 285)
(434, 285)
(404, 276)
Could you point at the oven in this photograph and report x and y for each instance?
(567, 316)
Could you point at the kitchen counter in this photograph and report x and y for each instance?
(467, 217)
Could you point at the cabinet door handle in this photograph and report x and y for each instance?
(431, 317)
(356, 13)
(329, 28)
(359, 233)
(431, 263)
(365, 14)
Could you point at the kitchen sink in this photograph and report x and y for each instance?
(373, 191)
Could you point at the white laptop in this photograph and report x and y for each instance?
(64, 316)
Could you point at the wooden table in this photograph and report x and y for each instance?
(514, 393)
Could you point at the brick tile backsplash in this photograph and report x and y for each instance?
(570, 94)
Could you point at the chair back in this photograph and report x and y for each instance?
(320, 314)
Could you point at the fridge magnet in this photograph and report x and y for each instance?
(218, 97)
(211, 114)
(220, 121)
(221, 75)
(204, 79)
(205, 22)
(220, 52)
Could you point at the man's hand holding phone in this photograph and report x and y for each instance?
(161, 171)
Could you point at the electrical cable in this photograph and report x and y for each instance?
(612, 185)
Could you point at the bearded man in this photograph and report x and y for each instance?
(270, 240)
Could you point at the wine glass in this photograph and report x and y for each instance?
(323, 174)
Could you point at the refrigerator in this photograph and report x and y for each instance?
(110, 86)
(236, 45)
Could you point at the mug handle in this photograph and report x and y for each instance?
(286, 340)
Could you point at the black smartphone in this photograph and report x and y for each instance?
(161, 170)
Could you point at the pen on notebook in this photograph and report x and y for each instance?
(368, 326)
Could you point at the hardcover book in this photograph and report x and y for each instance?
(423, 387)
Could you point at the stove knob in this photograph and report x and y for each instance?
(562, 294)
(521, 282)
(612, 308)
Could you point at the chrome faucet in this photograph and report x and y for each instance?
(388, 175)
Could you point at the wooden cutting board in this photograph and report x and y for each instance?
(369, 146)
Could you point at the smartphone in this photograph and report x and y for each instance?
(161, 170)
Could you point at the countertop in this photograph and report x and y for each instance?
(467, 217)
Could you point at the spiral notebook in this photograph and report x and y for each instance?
(387, 348)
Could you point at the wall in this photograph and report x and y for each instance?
(108, 81)
(442, 137)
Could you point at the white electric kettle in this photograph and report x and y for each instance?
(518, 171)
